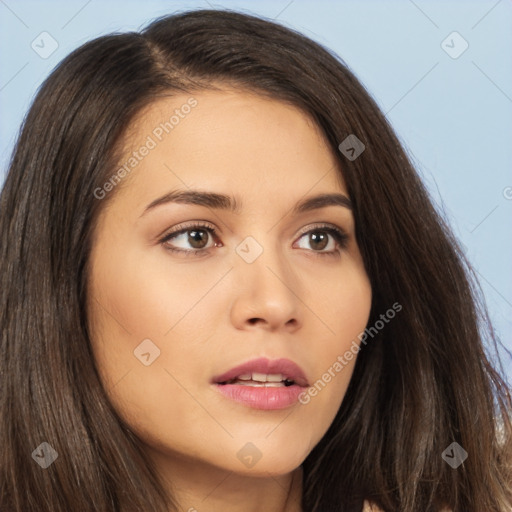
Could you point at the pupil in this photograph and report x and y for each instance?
(315, 238)
(194, 238)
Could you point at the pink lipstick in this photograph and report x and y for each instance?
(263, 383)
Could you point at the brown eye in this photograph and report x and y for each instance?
(197, 238)
(192, 239)
(318, 241)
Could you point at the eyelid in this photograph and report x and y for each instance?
(183, 226)
(319, 226)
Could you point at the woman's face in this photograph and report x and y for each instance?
(272, 283)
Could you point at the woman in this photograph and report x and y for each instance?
(224, 287)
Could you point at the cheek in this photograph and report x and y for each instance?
(136, 294)
(346, 314)
(129, 310)
(151, 378)
(343, 306)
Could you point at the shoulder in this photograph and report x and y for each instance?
(370, 507)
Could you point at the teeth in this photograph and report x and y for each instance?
(263, 377)
(276, 377)
(262, 384)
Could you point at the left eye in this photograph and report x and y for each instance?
(320, 239)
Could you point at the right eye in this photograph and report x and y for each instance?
(191, 234)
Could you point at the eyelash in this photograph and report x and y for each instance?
(338, 234)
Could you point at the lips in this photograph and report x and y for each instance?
(290, 373)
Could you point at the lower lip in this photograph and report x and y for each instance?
(262, 397)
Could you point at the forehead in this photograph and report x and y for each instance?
(229, 140)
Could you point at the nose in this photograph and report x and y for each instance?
(268, 294)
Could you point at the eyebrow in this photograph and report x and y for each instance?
(232, 204)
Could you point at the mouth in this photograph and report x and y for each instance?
(263, 384)
(259, 380)
(264, 372)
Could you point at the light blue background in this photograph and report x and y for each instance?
(453, 115)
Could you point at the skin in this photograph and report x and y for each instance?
(197, 310)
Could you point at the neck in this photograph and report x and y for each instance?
(199, 487)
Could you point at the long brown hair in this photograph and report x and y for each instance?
(422, 383)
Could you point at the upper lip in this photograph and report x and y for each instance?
(286, 367)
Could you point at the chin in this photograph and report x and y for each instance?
(268, 470)
(273, 462)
